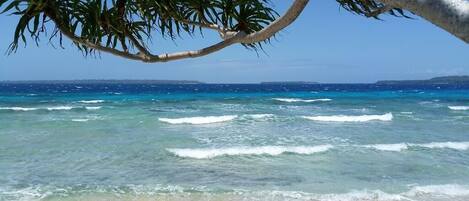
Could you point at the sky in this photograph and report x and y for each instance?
(326, 44)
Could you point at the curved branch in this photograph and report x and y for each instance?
(450, 15)
(229, 37)
(196, 53)
(289, 17)
(67, 33)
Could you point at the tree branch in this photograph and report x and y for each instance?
(66, 32)
(450, 15)
(379, 11)
(197, 53)
(289, 17)
(229, 37)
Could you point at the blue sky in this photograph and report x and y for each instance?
(326, 44)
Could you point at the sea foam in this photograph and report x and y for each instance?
(448, 145)
(23, 109)
(91, 101)
(93, 108)
(59, 108)
(293, 100)
(345, 118)
(445, 192)
(432, 145)
(439, 190)
(458, 107)
(236, 151)
(199, 120)
(388, 147)
(80, 120)
(259, 116)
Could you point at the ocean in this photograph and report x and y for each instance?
(319, 142)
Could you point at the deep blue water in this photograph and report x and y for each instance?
(234, 142)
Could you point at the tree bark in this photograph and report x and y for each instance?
(450, 15)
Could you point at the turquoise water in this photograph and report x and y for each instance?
(233, 142)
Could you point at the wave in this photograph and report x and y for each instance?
(432, 145)
(236, 151)
(449, 145)
(23, 109)
(80, 120)
(440, 190)
(445, 192)
(56, 108)
(60, 108)
(293, 100)
(458, 107)
(259, 116)
(199, 120)
(388, 147)
(93, 108)
(344, 118)
(407, 113)
(91, 101)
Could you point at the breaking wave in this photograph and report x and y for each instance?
(23, 109)
(60, 108)
(80, 120)
(259, 116)
(55, 108)
(93, 108)
(445, 192)
(293, 100)
(199, 120)
(433, 145)
(236, 151)
(388, 147)
(344, 118)
(91, 101)
(458, 107)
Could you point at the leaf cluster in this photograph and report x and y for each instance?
(127, 25)
(119, 24)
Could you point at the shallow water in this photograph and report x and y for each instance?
(233, 142)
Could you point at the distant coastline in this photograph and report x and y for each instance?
(436, 80)
(290, 82)
(444, 80)
(103, 82)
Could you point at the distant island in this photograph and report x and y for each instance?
(436, 80)
(103, 82)
(289, 82)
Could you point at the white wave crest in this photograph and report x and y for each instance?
(458, 107)
(445, 192)
(344, 118)
(91, 101)
(432, 145)
(448, 192)
(22, 109)
(199, 120)
(93, 108)
(265, 150)
(80, 120)
(439, 190)
(260, 116)
(25, 109)
(59, 108)
(449, 145)
(388, 147)
(293, 100)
